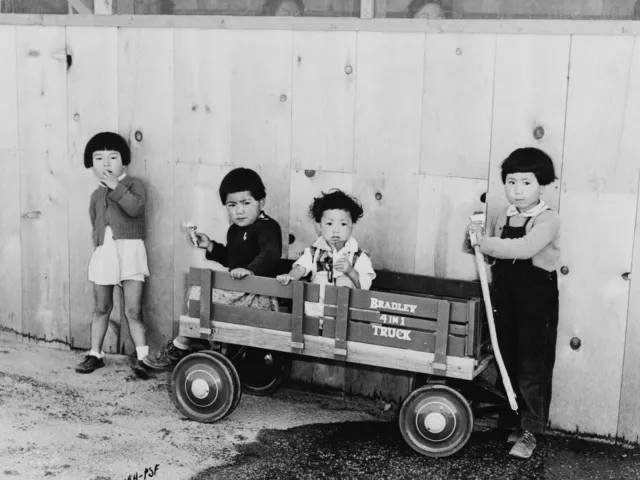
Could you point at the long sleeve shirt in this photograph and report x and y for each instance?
(541, 243)
(257, 247)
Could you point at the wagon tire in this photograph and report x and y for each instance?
(202, 388)
(234, 374)
(436, 421)
(261, 371)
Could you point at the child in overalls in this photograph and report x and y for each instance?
(524, 240)
(335, 257)
(254, 247)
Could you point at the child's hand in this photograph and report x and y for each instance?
(203, 241)
(284, 279)
(109, 180)
(238, 273)
(342, 264)
(478, 230)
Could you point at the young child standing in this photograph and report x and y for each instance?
(335, 257)
(116, 210)
(524, 240)
(254, 247)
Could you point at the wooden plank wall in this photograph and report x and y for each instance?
(413, 124)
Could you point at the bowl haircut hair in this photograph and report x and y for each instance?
(242, 180)
(106, 141)
(529, 160)
(336, 200)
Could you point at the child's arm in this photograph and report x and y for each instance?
(361, 274)
(214, 251)
(302, 266)
(132, 200)
(270, 243)
(296, 273)
(92, 212)
(544, 230)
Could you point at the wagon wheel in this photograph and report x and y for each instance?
(202, 387)
(237, 386)
(436, 421)
(261, 371)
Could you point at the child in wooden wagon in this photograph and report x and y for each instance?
(254, 247)
(116, 210)
(335, 257)
(524, 240)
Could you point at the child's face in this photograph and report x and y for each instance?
(242, 208)
(336, 227)
(523, 190)
(107, 160)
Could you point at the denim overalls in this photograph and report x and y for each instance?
(526, 325)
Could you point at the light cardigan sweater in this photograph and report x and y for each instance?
(541, 243)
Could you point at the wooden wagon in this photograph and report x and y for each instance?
(433, 327)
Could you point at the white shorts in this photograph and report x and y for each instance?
(117, 260)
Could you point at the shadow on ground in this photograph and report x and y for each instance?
(374, 450)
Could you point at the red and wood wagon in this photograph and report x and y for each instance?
(430, 326)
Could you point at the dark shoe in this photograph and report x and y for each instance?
(139, 369)
(167, 358)
(89, 364)
(525, 445)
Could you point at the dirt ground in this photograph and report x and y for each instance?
(55, 423)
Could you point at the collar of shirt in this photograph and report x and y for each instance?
(350, 245)
(532, 212)
(100, 184)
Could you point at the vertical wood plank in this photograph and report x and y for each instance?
(596, 190)
(261, 112)
(145, 91)
(202, 96)
(629, 417)
(324, 79)
(199, 203)
(530, 92)
(457, 105)
(103, 7)
(92, 107)
(367, 8)
(444, 206)
(390, 77)
(10, 247)
(44, 170)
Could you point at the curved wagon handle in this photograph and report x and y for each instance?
(480, 263)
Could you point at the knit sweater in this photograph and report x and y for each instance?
(121, 208)
(256, 247)
(541, 243)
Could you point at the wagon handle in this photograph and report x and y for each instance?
(480, 263)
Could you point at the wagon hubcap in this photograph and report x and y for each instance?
(199, 388)
(202, 388)
(435, 421)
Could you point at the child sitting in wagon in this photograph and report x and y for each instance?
(254, 247)
(335, 257)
